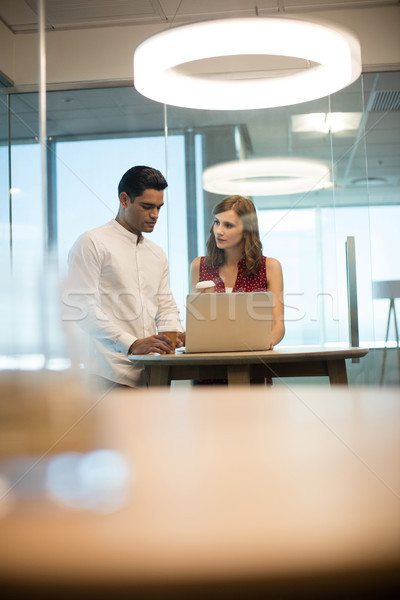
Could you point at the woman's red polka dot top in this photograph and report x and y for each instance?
(244, 283)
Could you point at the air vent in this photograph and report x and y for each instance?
(386, 100)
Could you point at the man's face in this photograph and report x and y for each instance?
(140, 216)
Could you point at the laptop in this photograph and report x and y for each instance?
(228, 322)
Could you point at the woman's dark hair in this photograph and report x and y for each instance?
(138, 179)
(252, 247)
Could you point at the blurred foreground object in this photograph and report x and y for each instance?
(291, 494)
(52, 450)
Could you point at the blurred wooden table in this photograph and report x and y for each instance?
(290, 494)
(242, 367)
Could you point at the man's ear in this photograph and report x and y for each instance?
(124, 199)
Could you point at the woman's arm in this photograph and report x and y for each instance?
(194, 274)
(275, 285)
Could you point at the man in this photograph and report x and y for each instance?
(118, 288)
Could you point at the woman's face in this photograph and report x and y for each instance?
(228, 230)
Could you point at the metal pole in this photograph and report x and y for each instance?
(191, 213)
(10, 206)
(42, 126)
(352, 293)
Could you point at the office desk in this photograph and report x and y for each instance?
(231, 495)
(242, 367)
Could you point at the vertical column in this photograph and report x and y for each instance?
(43, 126)
(51, 203)
(190, 172)
(352, 293)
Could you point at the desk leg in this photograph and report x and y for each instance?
(337, 371)
(239, 375)
(159, 375)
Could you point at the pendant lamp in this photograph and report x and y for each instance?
(246, 63)
(267, 177)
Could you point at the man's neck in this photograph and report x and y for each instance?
(131, 229)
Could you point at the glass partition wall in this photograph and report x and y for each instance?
(94, 135)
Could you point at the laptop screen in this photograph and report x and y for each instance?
(228, 322)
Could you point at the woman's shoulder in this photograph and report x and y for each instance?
(197, 271)
(272, 263)
(197, 261)
(196, 266)
(273, 269)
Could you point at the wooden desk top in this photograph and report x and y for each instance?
(294, 492)
(300, 354)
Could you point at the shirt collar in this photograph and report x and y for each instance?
(128, 234)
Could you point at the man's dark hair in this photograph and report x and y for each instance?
(138, 179)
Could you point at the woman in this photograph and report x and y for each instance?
(234, 258)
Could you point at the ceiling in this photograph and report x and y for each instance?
(21, 16)
(121, 111)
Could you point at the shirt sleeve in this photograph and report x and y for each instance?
(80, 297)
(168, 312)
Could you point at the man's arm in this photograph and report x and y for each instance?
(81, 301)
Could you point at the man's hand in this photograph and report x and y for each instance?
(180, 339)
(154, 343)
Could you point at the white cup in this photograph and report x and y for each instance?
(205, 287)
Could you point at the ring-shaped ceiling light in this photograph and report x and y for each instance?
(164, 69)
(267, 177)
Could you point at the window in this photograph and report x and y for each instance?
(97, 134)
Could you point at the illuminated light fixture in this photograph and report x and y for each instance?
(369, 181)
(238, 64)
(326, 122)
(267, 177)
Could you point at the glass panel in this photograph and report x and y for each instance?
(383, 152)
(177, 219)
(22, 306)
(4, 187)
(27, 214)
(27, 226)
(307, 231)
(290, 224)
(96, 134)
(88, 173)
(292, 237)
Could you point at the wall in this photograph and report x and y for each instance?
(378, 31)
(7, 46)
(106, 54)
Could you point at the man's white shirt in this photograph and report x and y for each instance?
(117, 292)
